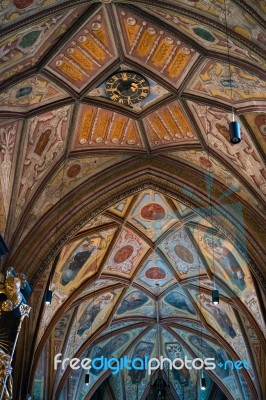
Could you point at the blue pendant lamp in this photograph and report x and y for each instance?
(235, 132)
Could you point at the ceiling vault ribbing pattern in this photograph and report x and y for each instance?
(108, 201)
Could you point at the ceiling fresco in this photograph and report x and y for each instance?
(121, 192)
(155, 48)
(90, 50)
(31, 93)
(206, 36)
(165, 290)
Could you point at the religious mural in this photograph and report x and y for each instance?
(134, 301)
(178, 300)
(140, 351)
(203, 348)
(80, 257)
(90, 313)
(108, 350)
(183, 380)
(136, 381)
(220, 251)
(157, 273)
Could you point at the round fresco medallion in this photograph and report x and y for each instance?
(155, 273)
(183, 253)
(21, 4)
(123, 254)
(153, 212)
(74, 170)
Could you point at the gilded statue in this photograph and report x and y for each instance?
(6, 382)
(10, 290)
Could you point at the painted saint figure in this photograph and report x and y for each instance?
(179, 301)
(220, 315)
(78, 258)
(132, 301)
(107, 351)
(91, 312)
(226, 259)
(141, 350)
(208, 351)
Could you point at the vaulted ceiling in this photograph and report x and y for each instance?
(115, 205)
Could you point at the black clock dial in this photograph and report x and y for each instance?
(127, 88)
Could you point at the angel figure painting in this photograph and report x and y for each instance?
(90, 313)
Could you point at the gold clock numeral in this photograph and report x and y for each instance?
(118, 90)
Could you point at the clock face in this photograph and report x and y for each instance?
(127, 88)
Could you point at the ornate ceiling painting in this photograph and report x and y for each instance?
(156, 92)
(31, 93)
(103, 128)
(23, 49)
(206, 36)
(170, 125)
(218, 80)
(90, 50)
(121, 192)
